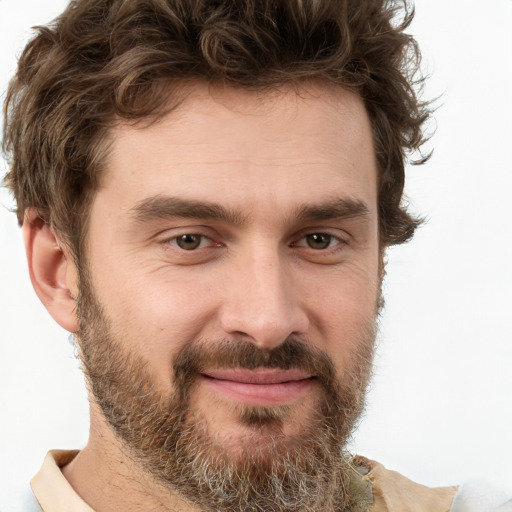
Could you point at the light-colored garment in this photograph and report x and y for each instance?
(393, 492)
(377, 488)
(51, 488)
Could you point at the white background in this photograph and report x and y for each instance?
(440, 408)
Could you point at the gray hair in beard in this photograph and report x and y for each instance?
(172, 443)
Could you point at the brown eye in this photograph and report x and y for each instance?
(319, 240)
(189, 242)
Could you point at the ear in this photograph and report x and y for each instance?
(52, 271)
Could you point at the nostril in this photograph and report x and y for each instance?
(266, 311)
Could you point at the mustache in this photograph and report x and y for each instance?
(293, 353)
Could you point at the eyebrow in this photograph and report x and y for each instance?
(342, 208)
(165, 207)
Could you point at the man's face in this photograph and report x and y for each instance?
(232, 282)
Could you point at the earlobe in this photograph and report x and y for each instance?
(52, 271)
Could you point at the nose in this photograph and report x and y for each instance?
(263, 304)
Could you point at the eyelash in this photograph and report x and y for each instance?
(205, 239)
(332, 238)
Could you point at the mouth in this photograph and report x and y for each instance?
(261, 387)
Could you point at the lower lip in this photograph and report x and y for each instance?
(260, 394)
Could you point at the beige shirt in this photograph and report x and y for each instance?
(379, 489)
(53, 492)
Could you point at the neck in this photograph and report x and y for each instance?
(108, 479)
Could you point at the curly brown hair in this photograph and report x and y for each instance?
(105, 59)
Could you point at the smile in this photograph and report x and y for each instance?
(265, 387)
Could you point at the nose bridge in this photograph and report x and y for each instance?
(263, 305)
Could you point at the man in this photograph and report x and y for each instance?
(207, 191)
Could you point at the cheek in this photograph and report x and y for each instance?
(344, 314)
(156, 317)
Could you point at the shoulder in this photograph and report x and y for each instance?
(393, 492)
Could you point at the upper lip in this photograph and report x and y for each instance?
(258, 376)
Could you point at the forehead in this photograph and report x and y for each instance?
(248, 148)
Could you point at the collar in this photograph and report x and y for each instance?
(373, 488)
(53, 492)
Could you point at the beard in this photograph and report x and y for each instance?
(174, 443)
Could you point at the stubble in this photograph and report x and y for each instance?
(175, 444)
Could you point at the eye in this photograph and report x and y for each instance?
(190, 248)
(190, 241)
(322, 247)
(320, 241)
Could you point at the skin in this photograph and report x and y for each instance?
(259, 274)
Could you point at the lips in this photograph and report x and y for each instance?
(263, 387)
